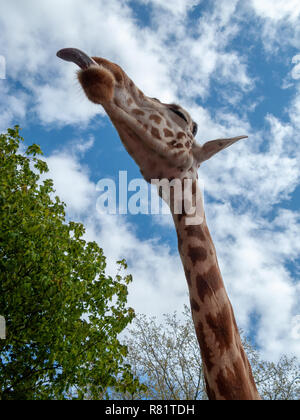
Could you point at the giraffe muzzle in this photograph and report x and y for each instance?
(76, 56)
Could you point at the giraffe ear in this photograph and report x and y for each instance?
(207, 150)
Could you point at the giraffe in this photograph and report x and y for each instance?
(160, 138)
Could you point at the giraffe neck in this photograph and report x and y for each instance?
(227, 371)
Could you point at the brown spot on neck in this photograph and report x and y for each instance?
(194, 305)
(180, 135)
(210, 392)
(155, 133)
(155, 118)
(168, 133)
(195, 231)
(172, 143)
(197, 253)
(233, 384)
(138, 112)
(209, 283)
(206, 352)
(221, 326)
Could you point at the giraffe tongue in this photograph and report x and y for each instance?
(76, 56)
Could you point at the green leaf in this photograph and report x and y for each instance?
(34, 150)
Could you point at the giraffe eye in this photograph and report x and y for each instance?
(180, 114)
(195, 128)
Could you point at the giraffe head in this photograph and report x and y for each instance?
(160, 137)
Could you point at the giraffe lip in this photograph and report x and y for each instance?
(76, 56)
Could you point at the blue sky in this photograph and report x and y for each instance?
(235, 66)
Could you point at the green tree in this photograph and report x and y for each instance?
(166, 357)
(63, 313)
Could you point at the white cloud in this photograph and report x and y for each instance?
(200, 53)
(79, 146)
(253, 178)
(71, 182)
(98, 27)
(295, 73)
(277, 9)
(12, 107)
(109, 29)
(153, 291)
(280, 21)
